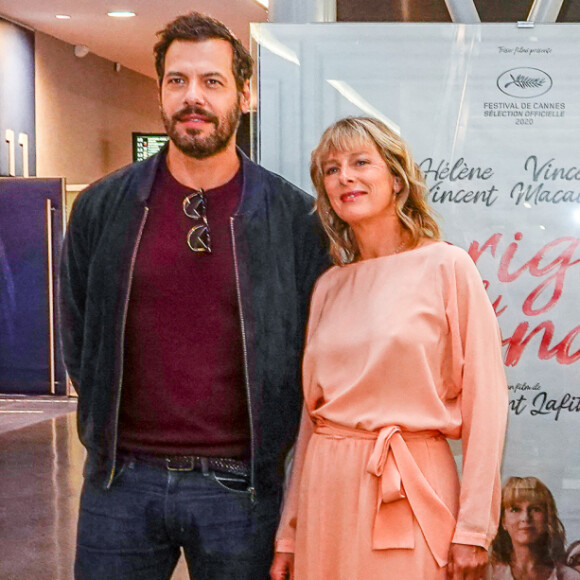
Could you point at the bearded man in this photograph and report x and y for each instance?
(185, 283)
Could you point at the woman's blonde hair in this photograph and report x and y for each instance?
(550, 548)
(412, 209)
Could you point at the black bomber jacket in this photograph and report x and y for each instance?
(279, 251)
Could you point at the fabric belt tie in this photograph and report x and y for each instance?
(400, 479)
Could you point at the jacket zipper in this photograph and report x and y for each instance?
(252, 488)
(122, 342)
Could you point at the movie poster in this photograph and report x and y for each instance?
(492, 114)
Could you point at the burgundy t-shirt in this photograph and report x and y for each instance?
(183, 387)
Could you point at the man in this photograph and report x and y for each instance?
(184, 290)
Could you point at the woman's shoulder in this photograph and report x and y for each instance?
(447, 251)
(430, 253)
(325, 280)
(328, 275)
(566, 573)
(447, 256)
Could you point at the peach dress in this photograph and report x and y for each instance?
(402, 352)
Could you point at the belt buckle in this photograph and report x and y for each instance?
(180, 463)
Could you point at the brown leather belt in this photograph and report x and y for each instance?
(194, 463)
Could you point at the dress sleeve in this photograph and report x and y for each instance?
(285, 537)
(287, 528)
(479, 369)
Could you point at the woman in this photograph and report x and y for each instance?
(403, 350)
(531, 538)
(573, 555)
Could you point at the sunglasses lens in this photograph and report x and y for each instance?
(198, 239)
(194, 206)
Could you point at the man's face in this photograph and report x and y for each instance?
(200, 102)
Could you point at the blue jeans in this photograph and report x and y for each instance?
(134, 530)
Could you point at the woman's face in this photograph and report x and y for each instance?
(525, 522)
(359, 185)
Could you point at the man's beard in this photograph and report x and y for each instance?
(202, 147)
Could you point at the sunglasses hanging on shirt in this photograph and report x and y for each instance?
(195, 207)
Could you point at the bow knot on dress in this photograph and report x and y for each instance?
(401, 479)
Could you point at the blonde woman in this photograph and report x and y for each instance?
(531, 538)
(403, 351)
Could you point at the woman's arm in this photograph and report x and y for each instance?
(479, 366)
(287, 528)
(283, 564)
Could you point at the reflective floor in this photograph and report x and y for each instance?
(17, 411)
(40, 480)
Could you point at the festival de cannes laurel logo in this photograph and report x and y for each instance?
(524, 82)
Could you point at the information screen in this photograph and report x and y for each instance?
(147, 144)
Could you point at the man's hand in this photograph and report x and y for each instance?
(467, 562)
(282, 566)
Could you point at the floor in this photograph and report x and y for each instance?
(40, 479)
(17, 411)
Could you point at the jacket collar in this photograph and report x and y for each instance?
(253, 178)
(148, 172)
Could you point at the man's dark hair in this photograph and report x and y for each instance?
(197, 27)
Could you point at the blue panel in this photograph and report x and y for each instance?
(24, 292)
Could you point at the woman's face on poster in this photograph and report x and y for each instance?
(525, 522)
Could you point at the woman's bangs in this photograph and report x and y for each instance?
(342, 139)
(522, 491)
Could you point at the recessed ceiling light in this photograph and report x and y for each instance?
(121, 14)
(63, 16)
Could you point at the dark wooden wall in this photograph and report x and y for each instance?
(436, 10)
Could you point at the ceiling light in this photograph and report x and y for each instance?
(263, 3)
(63, 16)
(121, 14)
(81, 50)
